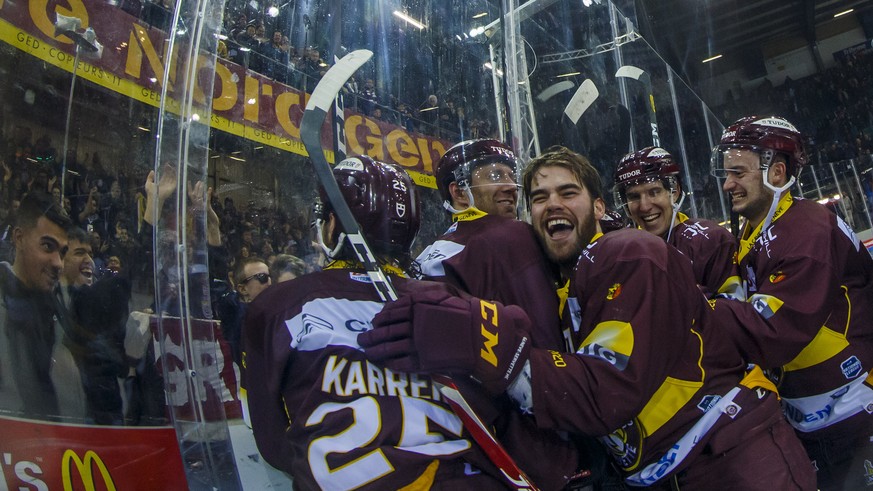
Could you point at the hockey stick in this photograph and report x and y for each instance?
(339, 125)
(323, 96)
(319, 104)
(554, 90)
(640, 75)
(585, 95)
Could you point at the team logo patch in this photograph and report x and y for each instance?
(624, 444)
(851, 367)
(614, 292)
(708, 402)
(777, 277)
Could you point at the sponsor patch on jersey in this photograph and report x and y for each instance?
(360, 277)
(765, 305)
(777, 277)
(611, 341)
(708, 402)
(847, 230)
(614, 291)
(326, 322)
(312, 323)
(851, 367)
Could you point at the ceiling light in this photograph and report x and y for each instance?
(711, 59)
(480, 15)
(568, 74)
(844, 13)
(409, 19)
(273, 11)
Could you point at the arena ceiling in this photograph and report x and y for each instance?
(686, 32)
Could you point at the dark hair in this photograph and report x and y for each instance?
(240, 267)
(286, 263)
(78, 234)
(37, 204)
(558, 156)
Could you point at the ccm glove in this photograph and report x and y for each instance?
(432, 331)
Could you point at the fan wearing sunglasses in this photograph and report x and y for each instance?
(254, 277)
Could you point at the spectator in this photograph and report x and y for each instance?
(368, 97)
(39, 362)
(286, 267)
(275, 57)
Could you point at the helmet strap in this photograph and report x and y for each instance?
(777, 195)
(676, 206)
(341, 239)
(451, 209)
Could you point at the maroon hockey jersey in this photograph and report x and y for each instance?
(809, 315)
(713, 254)
(643, 372)
(497, 258)
(333, 420)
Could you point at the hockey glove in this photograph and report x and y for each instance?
(431, 331)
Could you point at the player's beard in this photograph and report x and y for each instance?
(566, 255)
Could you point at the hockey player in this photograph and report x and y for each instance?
(810, 310)
(320, 409)
(647, 186)
(487, 253)
(674, 410)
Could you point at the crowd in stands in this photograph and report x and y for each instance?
(110, 205)
(249, 43)
(834, 107)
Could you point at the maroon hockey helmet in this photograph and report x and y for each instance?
(766, 136)
(612, 221)
(459, 162)
(383, 200)
(647, 165)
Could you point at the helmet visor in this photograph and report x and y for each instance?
(623, 195)
(493, 174)
(738, 159)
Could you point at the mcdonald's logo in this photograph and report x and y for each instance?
(86, 472)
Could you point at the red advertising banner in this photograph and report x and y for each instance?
(244, 103)
(50, 456)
